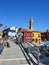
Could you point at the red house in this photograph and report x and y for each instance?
(45, 36)
(27, 36)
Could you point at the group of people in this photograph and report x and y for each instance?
(3, 42)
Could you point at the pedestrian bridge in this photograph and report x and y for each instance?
(13, 56)
(16, 55)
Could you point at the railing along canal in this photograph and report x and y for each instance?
(32, 51)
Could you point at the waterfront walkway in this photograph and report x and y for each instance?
(12, 56)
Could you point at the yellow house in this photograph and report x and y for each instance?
(36, 36)
(0, 35)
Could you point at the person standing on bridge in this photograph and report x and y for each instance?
(20, 37)
(7, 41)
(20, 34)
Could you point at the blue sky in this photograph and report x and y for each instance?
(18, 13)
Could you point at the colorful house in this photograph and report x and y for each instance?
(36, 36)
(1, 31)
(5, 32)
(45, 36)
(27, 36)
(0, 35)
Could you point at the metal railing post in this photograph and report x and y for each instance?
(28, 47)
(37, 56)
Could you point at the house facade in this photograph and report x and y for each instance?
(36, 36)
(45, 36)
(27, 36)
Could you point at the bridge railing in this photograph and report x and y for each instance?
(32, 51)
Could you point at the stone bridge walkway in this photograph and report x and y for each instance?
(12, 56)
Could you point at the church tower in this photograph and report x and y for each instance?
(31, 24)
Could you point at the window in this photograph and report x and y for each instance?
(39, 35)
(32, 39)
(33, 35)
(0, 34)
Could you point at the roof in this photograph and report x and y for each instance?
(46, 31)
(12, 30)
(36, 31)
(6, 29)
(26, 30)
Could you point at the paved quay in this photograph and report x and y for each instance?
(12, 56)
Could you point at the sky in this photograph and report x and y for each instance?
(18, 12)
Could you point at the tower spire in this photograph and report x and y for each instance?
(31, 24)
